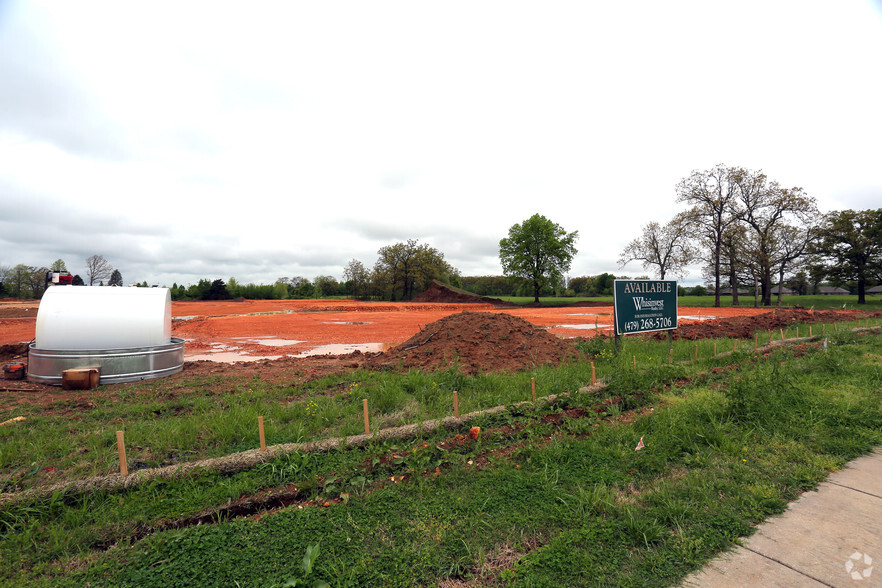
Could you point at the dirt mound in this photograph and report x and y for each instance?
(13, 352)
(743, 327)
(478, 342)
(438, 292)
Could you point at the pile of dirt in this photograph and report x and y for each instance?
(438, 292)
(13, 352)
(743, 327)
(477, 342)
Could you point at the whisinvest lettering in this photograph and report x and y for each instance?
(641, 303)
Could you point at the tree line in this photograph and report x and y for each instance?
(744, 229)
(748, 231)
(28, 281)
(401, 271)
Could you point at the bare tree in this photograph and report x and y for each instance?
(37, 280)
(713, 197)
(767, 208)
(97, 269)
(666, 248)
(735, 261)
(793, 243)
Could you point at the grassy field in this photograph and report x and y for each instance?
(818, 302)
(549, 495)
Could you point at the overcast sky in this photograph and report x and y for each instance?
(183, 140)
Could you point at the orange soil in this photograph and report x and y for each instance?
(316, 323)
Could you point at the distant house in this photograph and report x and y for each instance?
(728, 292)
(875, 290)
(785, 291)
(832, 291)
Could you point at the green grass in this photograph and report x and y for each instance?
(873, 302)
(729, 441)
(165, 425)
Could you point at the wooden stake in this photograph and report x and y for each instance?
(635, 362)
(696, 352)
(823, 329)
(367, 424)
(782, 334)
(810, 331)
(835, 329)
(121, 447)
(735, 346)
(797, 331)
(533, 388)
(755, 341)
(593, 374)
(671, 358)
(260, 431)
(456, 403)
(770, 336)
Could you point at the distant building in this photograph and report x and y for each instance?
(875, 290)
(728, 292)
(832, 291)
(785, 291)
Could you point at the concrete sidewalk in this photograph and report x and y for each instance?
(830, 537)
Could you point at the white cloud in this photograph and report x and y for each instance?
(212, 140)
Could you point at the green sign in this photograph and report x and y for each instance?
(645, 305)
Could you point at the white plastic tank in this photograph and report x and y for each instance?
(103, 317)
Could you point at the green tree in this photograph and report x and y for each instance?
(217, 291)
(537, 251)
(18, 280)
(404, 269)
(115, 278)
(849, 248)
(325, 286)
(280, 291)
(603, 284)
(581, 285)
(233, 287)
(58, 266)
(356, 276)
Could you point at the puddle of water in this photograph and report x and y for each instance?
(184, 318)
(219, 347)
(347, 323)
(228, 357)
(269, 341)
(589, 314)
(344, 348)
(696, 317)
(599, 326)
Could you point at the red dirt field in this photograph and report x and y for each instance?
(236, 330)
(476, 337)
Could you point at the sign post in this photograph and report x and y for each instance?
(641, 306)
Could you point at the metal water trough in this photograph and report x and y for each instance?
(125, 332)
(117, 365)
